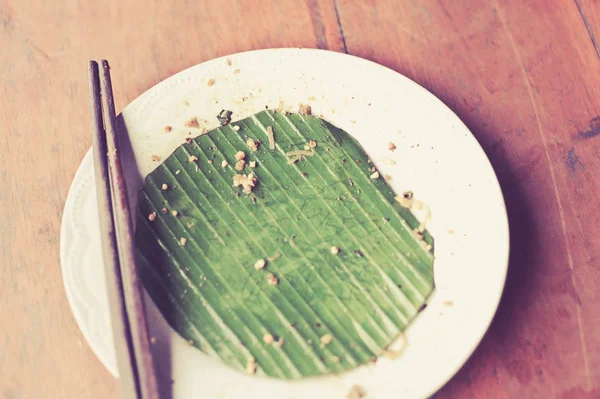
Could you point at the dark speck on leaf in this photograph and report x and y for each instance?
(344, 161)
(304, 174)
(422, 308)
(399, 286)
(293, 325)
(357, 161)
(254, 199)
(318, 324)
(359, 253)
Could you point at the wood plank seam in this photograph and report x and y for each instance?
(339, 24)
(587, 27)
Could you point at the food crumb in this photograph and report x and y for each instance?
(271, 279)
(335, 359)
(391, 146)
(152, 340)
(450, 231)
(268, 338)
(304, 109)
(252, 144)
(335, 250)
(251, 366)
(177, 172)
(168, 129)
(193, 158)
(387, 177)
(259, 264)
(236, 71)
(224, 164)
(165, 187)
(155, 158)
(356, 392)
(279, 343)
(192, 122)
(247, 182)
(448, 303)
(428, 247)
(164, 211)
(182, 241)
(312, 143)
(152, 216)
(236, 128)
(240, 165)
(253, 164)
(228, 61)
(174, 213)
(210, 82)
(326, 339)
(375, 175)
(240, 155)
(271, 136)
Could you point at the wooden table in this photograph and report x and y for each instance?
(523, 75)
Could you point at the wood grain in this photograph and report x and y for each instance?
(522, 75)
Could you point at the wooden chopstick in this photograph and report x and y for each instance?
(128, 317)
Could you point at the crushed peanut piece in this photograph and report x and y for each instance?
(274, 257)
(312, 143)
(271, 279)
(210, 161)
(251, 366)
(168, 129)
(193, 158)
(182, 241)
(260, 264)
(224, 164)
(387, 160)
(268, 338)
(177, 172)
(450, 231)
(155, 158)
(174, 213)
(304, 109)
(326, 339)
(429, 247)
(387, 177)
(240, 165)
(236, 71)
(236, 128)
(240, 155)
(246, 181)
(271, 136)
(391, 146)
(210, 82)
(335, 250)
(192, 122)
(375, 175)
(152, 216)
(252, 144)
(228, 61)
(294, 159)
(356, 392)
(165, 186)
(253, 164)
(448, 303)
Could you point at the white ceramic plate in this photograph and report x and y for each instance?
(437, 158)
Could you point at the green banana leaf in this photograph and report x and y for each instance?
(308, 311)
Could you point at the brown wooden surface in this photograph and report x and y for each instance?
(523, 75)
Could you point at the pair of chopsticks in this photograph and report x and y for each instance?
(128, 316)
